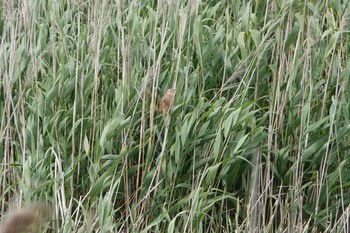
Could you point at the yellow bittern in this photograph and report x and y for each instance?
(166, 102)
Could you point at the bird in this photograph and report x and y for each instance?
(27, 219)
(166, 102)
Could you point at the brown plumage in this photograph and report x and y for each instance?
(166, 102)
(26, 220)
(21, 221)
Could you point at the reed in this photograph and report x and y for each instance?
(257, 139)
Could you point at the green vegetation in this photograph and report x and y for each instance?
(259, 137)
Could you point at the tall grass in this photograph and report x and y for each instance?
(259, 135)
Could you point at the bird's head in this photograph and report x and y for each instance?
(171, 91)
